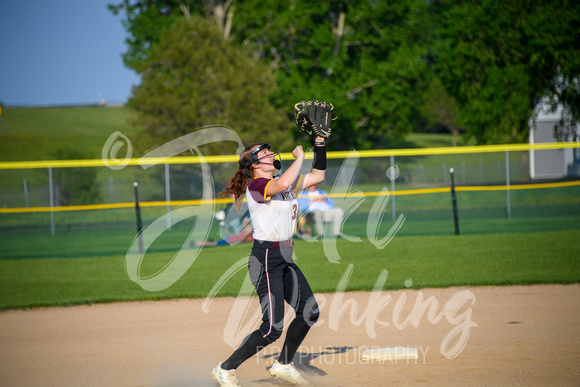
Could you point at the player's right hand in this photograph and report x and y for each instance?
(298, 152)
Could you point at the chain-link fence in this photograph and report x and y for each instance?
(68, 209)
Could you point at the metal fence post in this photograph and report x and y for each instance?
(167, 196)
(507, 183)
(111, 195)
(51, 193)
(393, 188)
(138, 216)
(26, 200)
(454, 202)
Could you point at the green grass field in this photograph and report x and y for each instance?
(84, 261)
(429, 261)
(110, 232)
(36, 133)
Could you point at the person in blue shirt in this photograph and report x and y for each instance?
(317, 202)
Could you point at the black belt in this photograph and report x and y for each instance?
(275, 244)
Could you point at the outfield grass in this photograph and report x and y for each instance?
(78, 237)
(110, 232)
(36, 133)
(84, 261)
(429, 261)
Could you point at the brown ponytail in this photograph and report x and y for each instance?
(239, 182)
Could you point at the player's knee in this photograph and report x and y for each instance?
(311, 313)
(274, 335)
(312, 318)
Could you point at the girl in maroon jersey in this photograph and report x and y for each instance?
(273, 208)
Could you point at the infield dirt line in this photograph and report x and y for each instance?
(526, 335)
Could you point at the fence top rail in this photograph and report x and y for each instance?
(150, 161)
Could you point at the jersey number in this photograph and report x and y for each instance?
(294, 211)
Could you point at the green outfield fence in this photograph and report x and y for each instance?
(76, 208)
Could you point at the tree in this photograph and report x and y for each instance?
(147, 20)
(373, 60)
(367, 58)
(499, 59)
(440, 108)
(193, 78)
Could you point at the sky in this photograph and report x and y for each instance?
(61, 52)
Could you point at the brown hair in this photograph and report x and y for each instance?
(239, 182)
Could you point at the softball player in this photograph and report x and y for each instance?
(273, 209)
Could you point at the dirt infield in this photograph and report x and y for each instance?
(464, 336)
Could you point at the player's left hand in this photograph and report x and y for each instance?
(314, 118)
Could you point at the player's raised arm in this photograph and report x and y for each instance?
(290, 175)
(314, 118)
(316, 176)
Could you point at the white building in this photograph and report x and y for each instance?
(551, 163)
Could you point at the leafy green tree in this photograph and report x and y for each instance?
(441, 109)
(147, 20)
(367, 58)
(499, 59)
(193, 78)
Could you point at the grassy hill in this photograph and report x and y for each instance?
(36, 133)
